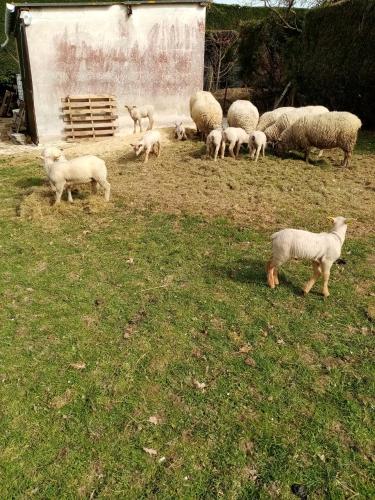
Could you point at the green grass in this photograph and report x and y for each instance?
(295, 409)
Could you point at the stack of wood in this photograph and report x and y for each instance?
(6, 104)
(89, 116)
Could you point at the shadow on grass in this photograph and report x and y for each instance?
(30, 182)
(252, 270)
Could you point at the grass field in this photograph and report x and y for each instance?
(147, 324)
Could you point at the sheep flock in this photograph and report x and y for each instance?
(282, 129)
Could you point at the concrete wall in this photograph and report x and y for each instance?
(153, 56)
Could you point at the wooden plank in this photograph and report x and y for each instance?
(87, 111)
(89, 133)
(87, 97)
(93, 104)
(87, 118)
(88, 125)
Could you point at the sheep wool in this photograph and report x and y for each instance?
(335, 129)
(206, 112)
(267, 119)
(243, 114)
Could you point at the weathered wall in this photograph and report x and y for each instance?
(153, 56)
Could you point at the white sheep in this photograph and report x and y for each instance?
(213, 143)
(137, 113)
(243, 114)
(234, 136)
(335, 129)
(150, 143)
(267, 119)
(206, 112)
(284, 121)
(257, 144)
(65, 173)
(180, 132)
(321, 248)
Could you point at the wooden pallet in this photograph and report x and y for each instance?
(89, 116)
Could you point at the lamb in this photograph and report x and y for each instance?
(321, 248)
(213, 143)
(180, 132)
(257, 143)
(150, 143)
(206, 112)
(234, 136)
(65, 173)
(284, 121)
(243, 114)
(267, 119)
(137, 113)
(336, 129)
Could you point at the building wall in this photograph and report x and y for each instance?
(155, 56)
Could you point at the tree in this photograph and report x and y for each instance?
(221, 54)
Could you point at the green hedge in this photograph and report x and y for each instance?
(339, 58)
(229, 17)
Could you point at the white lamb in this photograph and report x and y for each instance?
(180, 132)
(137, 113)
(336, 129)
(321, 248)
(213, 143)
(206, 112)
(267, 119)
(235, 137)
(257, 144)
(243, 114)
(65, 173)
(150, 143)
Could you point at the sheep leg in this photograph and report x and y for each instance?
(222, 149)
(59, 192)
(326, 266)
(270, 275)
(317, 273)
(263, 150)
(135, 127)
(307, 154)
(347, 155)
(257, 153)
(107, 188)
(69, 190)
(230, 149)
(216, 151)
(276, 276)
(94, 186)
(150, 122)
(147, 153)
(159, 149)
(238, 147)
(140, 125)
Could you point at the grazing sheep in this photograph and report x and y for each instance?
(234, 136)
(267, 119)
(179, 132)
(321, 248)
(336, 129)
(257, 143)
(284, 121)
(243, 114)
(213, 143)
(65, 173)
(206, 112)
(137, 113)
(150, 143)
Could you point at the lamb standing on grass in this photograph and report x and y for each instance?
(137, 113)
(234, 136)
(213, 143)
(321, 248)
(257, 143)
(205, 112)
(150, 143)
(65, 173)
(336, 129)
(243, 114)
(180, 132)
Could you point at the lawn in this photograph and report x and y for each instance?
(142, 354)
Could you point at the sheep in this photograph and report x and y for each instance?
(284, 121)
(137, 113)
(179, 132)
(206, 112)
(321, 248)
(257, 143)
(243, 114)
(150, 143)
(213, 143)
(335, 129)
(65, 173)
(235, 136)
(267, 119)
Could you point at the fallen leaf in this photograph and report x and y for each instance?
(280, 341)
(199, 385)
(154, 419)
(130, 260)
(78, 366)
(197, 353)
(245, 349)
(250, 362)
(161, 460)
(150, 451)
